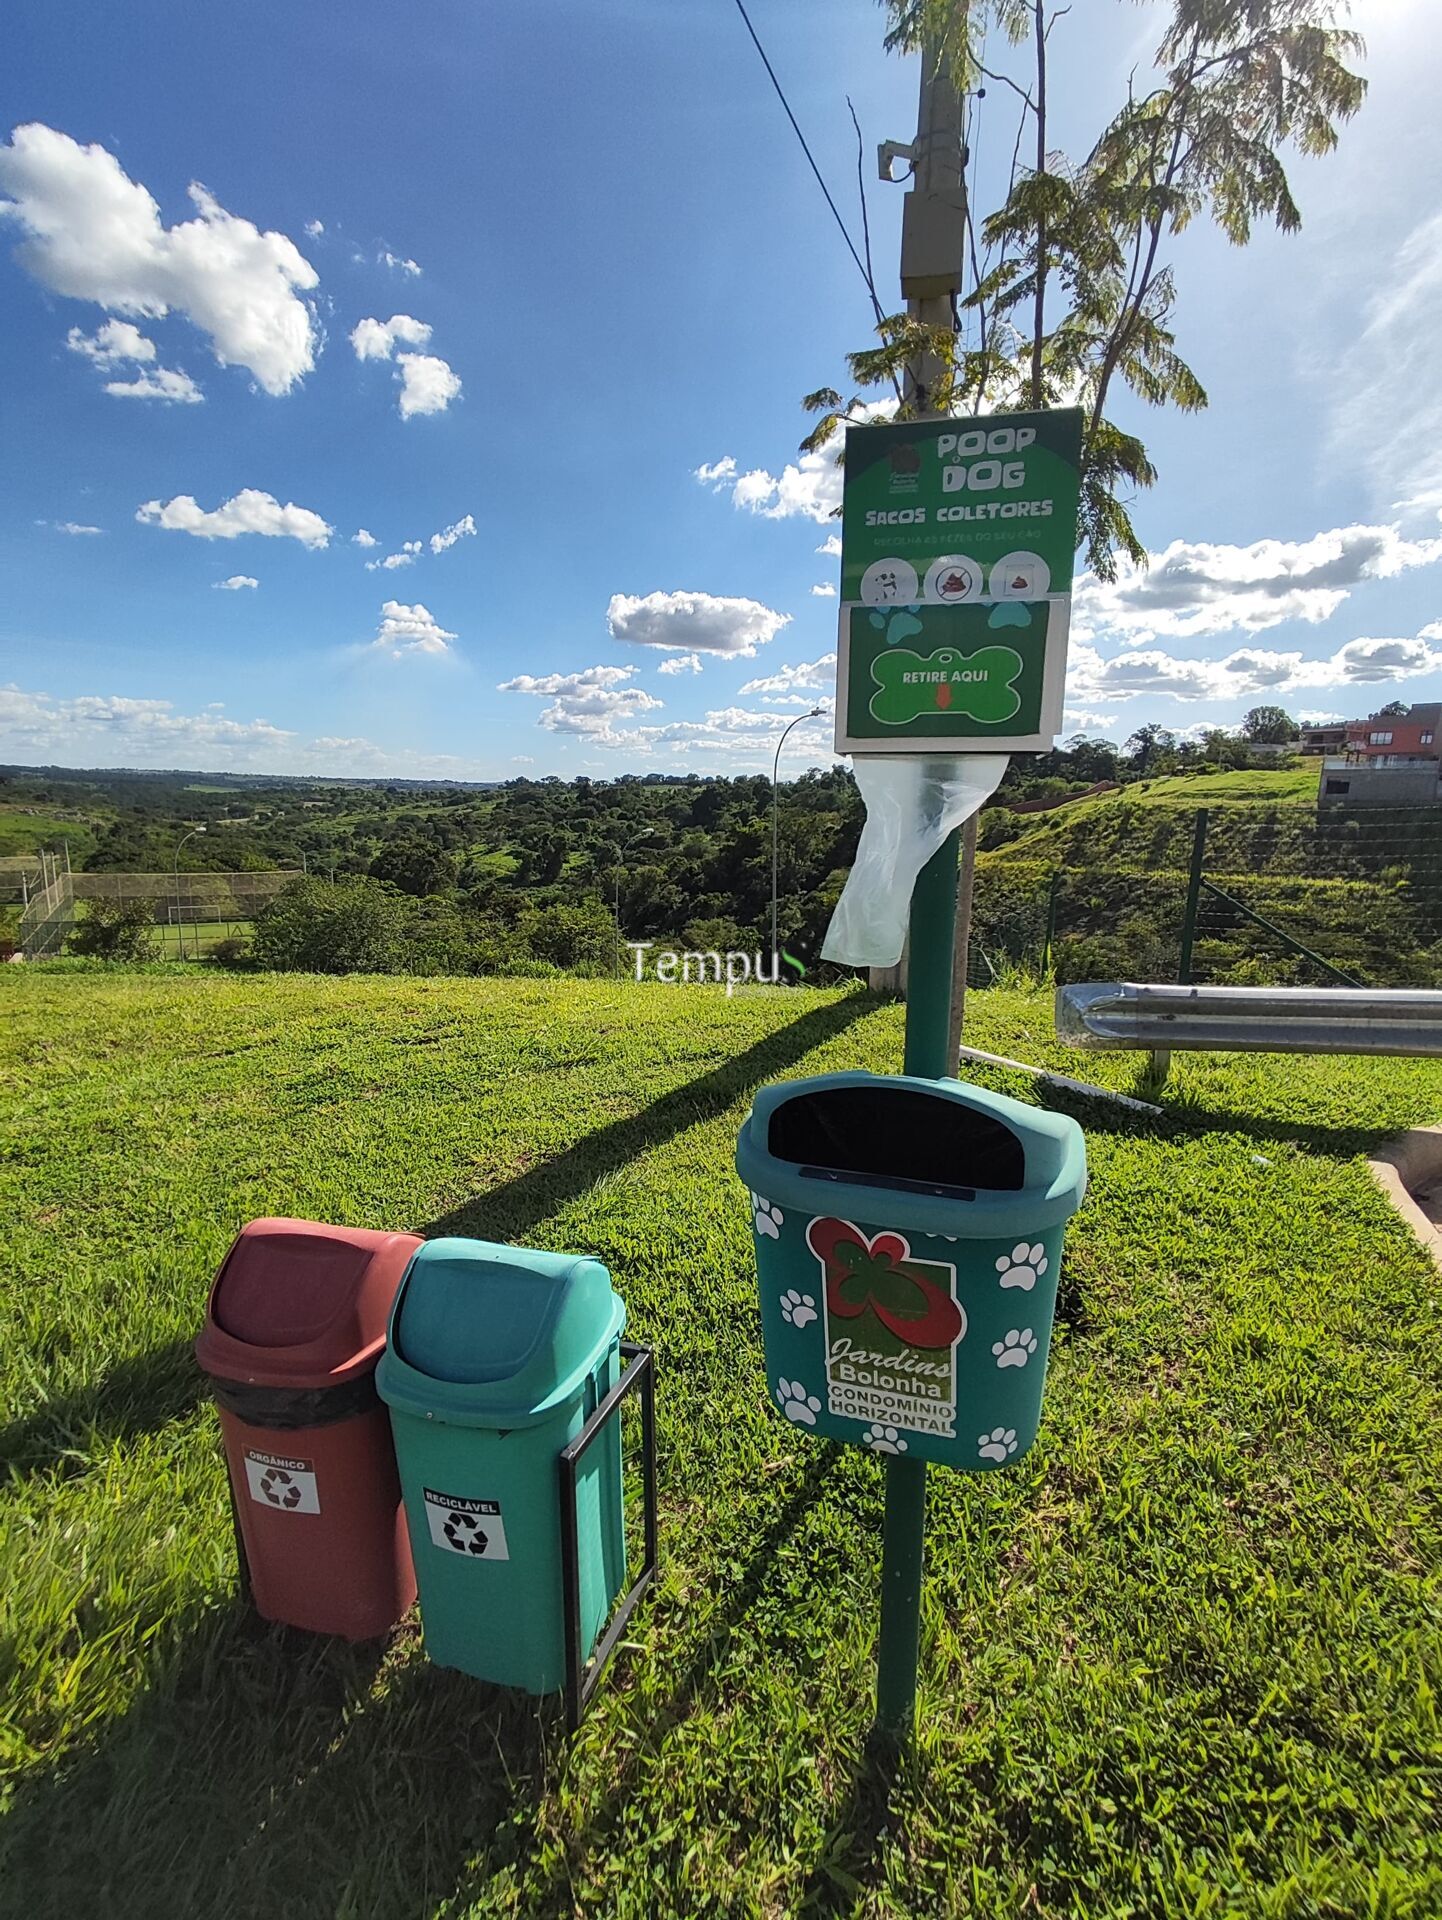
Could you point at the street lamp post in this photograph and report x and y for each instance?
(644, 834)
(179, 910)
(814, 714)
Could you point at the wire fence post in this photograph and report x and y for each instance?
(1053, 899)
(1194, 895)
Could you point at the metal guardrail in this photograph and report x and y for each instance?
(1111, 1016)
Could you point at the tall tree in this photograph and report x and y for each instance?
(1073, 293)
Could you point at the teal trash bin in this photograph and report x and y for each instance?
(495, 1359)
(908, 1241)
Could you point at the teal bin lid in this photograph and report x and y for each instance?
(936, 1156)
(490, 1336)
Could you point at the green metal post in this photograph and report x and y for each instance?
(1194, 894)
(928, 1023)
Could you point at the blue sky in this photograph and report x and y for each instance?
(593, 263)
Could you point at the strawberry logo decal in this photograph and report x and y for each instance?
(880, 1277)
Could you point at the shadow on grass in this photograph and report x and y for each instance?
(145, 1822)
(853, 1837)
(264, 1771)
(518, 1205)
(151, 1389)
(142, 1393)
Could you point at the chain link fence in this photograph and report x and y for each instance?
(191, 912)
(1234, 896)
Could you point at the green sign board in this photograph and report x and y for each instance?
(958, 510)
(951, 679)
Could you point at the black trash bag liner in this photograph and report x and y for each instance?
(284, 1408)
(894, 1133)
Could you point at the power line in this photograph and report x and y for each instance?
(781, 96)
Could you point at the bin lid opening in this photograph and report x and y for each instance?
(284, 1289)
(884, 1134)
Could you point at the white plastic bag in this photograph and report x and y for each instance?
(912, 804)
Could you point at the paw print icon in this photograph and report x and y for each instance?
(1023, 1266)
(1015, 1348)
(796, 1403)
(998, 1445)
(884, 1440)
(797, 1309)
(768, 1219)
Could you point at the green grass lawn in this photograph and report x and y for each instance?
(1182, 1660)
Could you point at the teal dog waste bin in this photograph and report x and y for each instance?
(908, 1239)
(495, 1359)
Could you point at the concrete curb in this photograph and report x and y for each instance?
(1409, 1166)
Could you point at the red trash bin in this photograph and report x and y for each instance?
(295, 1324)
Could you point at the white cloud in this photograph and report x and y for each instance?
(831, 546)
(74, 526)
(693, 622)
(825, 591)
(248, 512)
(236, 583)
(410, 549)
(809, 487)
(1249, 671)
(820, 672)
(376, 339)
(588, 680)
(92, 233)
(428, 384)
(112, 730)
(1385, 418)
(158, 383)
(315, 228)
(363, 539)
(112, 344)
(1073, 721)
(405, 558)
(588, 703)
(385, 258)
(460, 529)
(522, 760)
(1195, 587)
(408, 630)
(681, 663)
(118, 343)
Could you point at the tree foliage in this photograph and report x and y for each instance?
(1072, 299)
(115, 930)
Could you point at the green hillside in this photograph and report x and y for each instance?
(1183, 1659)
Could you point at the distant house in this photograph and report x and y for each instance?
(1386, 760)
(1328, 738)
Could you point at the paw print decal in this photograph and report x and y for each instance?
(1023, 1266)
(884, 1440)
(797, 1309)
(1017, 1348)
(998, 1445)
(796, 1403)
(769, 1220)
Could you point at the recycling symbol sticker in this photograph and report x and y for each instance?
(284, 1485)
(981, 685)
(460, 1524)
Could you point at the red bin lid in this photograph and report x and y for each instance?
(299, 1304)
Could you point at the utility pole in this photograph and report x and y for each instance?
(933, 234)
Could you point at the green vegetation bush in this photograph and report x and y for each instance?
(320, 926)
(114, 930)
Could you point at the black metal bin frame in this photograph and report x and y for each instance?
(638, 1378)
